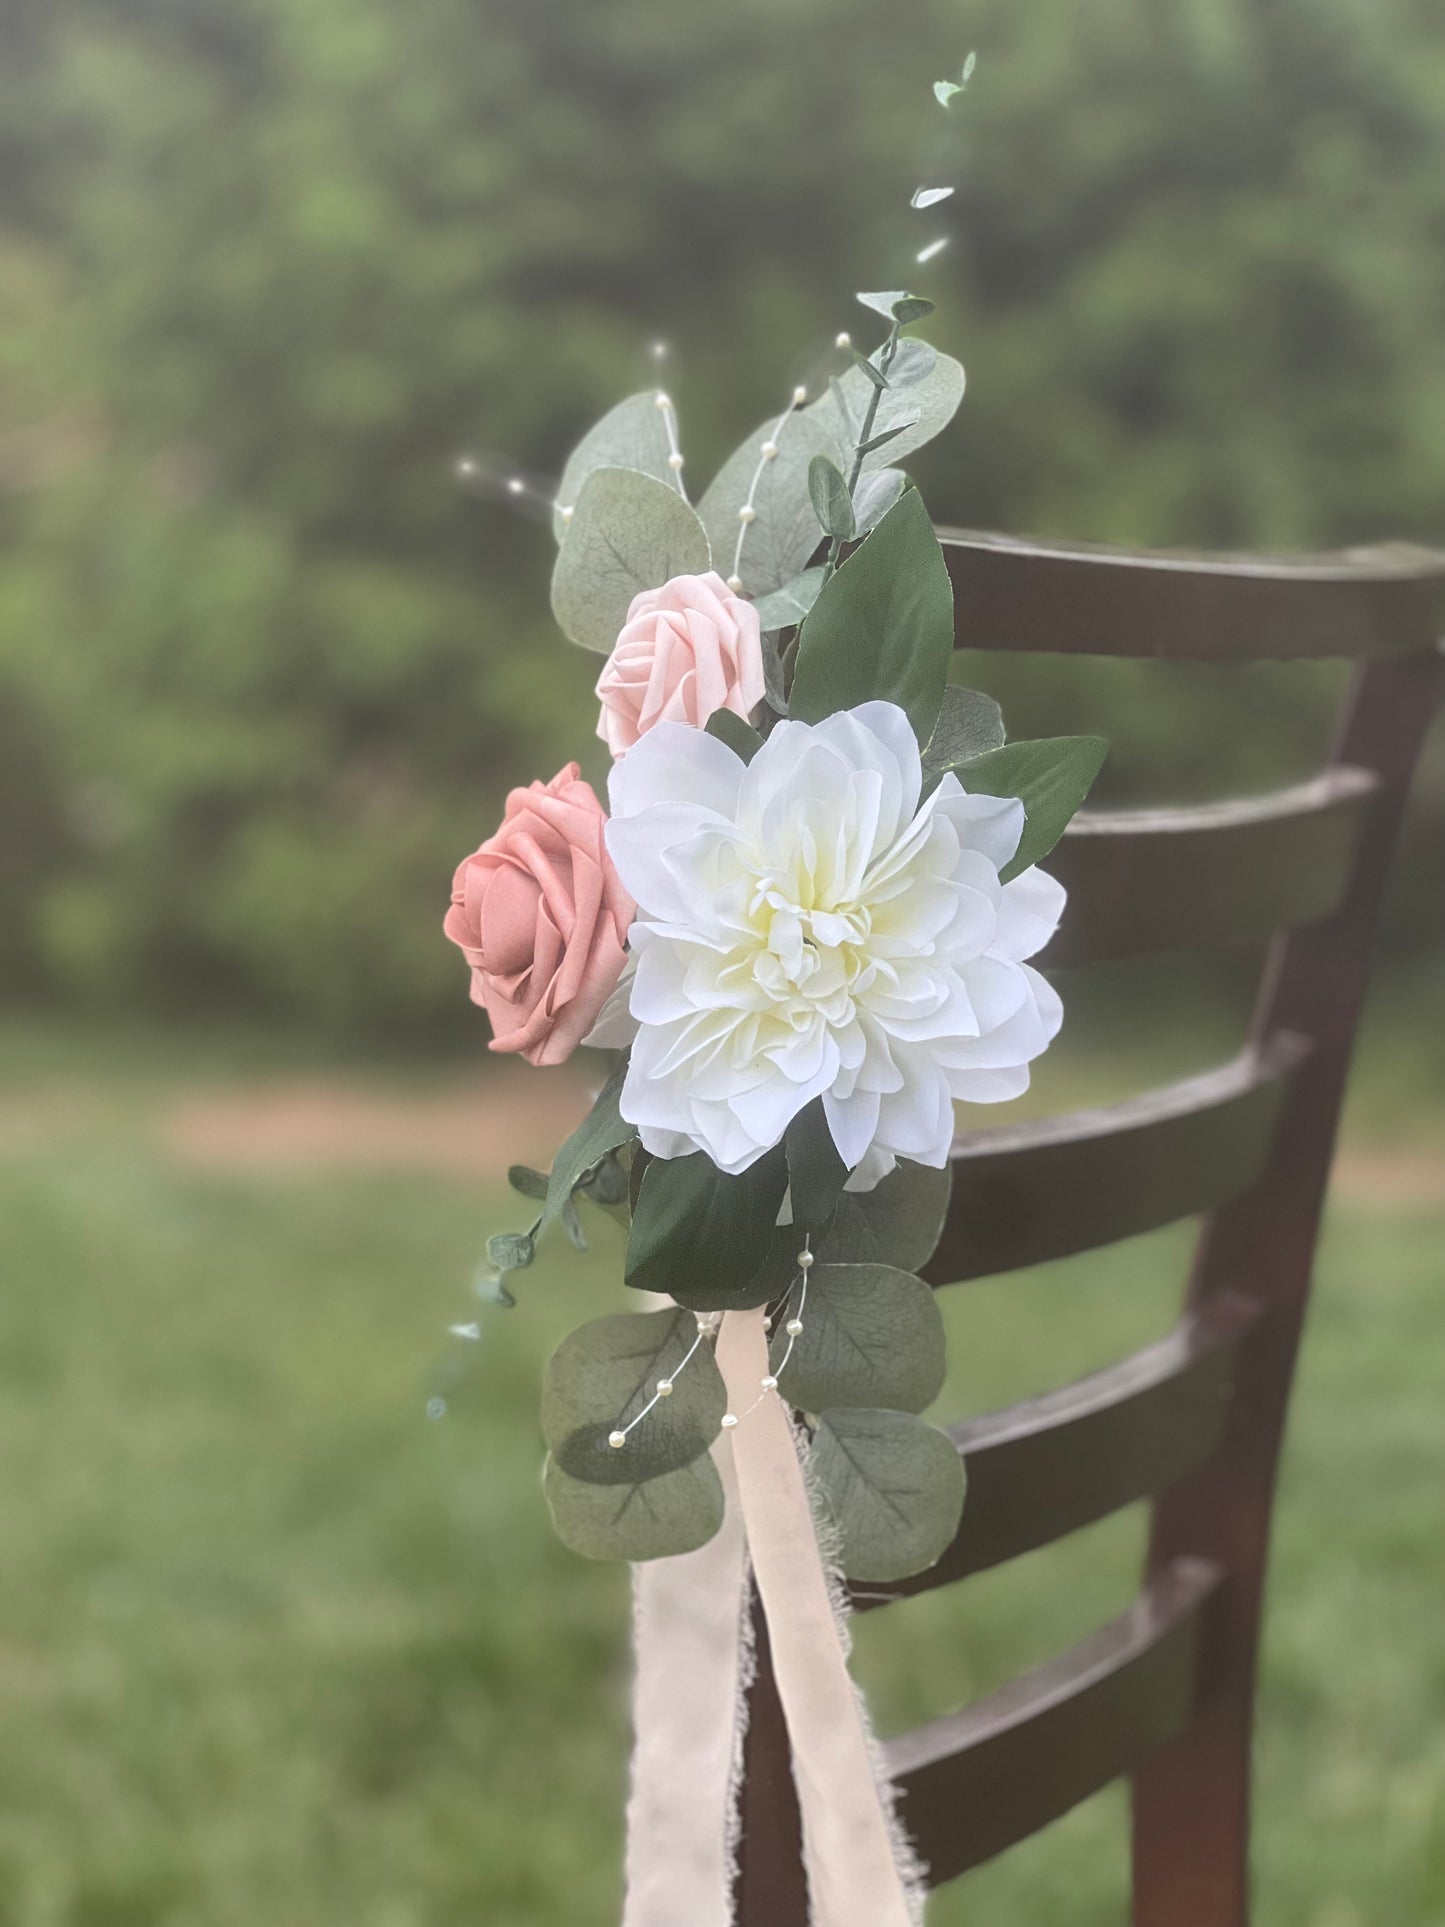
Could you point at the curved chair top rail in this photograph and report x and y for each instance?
(1025, 1193)
(1079, 600)
(975, 1782)
(1145, 881)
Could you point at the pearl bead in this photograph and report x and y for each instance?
(845, 340)
(663, 401)
(566, 514)
(664, 1388)
(616, 1439)
(674, 462)
(767, 1324)
(793, 1327)
(770, 1384)
(730, 1419)
(770, 451)
(747, 513)
(800, 395)
(735, 583)
(806, 1260)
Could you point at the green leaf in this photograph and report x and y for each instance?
(924, 390)
(741, 738)
(872, 1335)
(601, 1376)
(631, 435)
(512, 1250)
(781, 541)
(628, 532)
(602, 1130)
(791, 603)
(531, 1184)
(869, 370)
(894, 1488)
(607, 1184)
(878, 489)
(882, 625)
(969, 723)
(882, 303)
(699, 1235)
(912, 308)
(929, 196)
(572, 1225)
(1050, 778)
(816, 1173)
(832, 503)
(656, 1520)
(944, 91)
(898, 1222)
(888, 435)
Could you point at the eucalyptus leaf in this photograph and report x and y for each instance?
(882, 302)
(924, 390)
(531, 1184)
(882, 626)
(628, 532)
(788, 605)
(656, 1520)
(894, 1488)
(969, 723)
(631, 435)
(878, 489)
(872, 1335)
(913, 307)
(869, 370)
(740, 736)
(699, 1234)
(780, 541)
(929, 196)
(775, 687)
(603, 1374)
(511, 1250)
(1050, 777)
(816, 1173)
(601, 1131)
(572, 1225)
(832, 503)
(899, 1222)
(888, 435)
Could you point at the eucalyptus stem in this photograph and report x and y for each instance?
(885, 363)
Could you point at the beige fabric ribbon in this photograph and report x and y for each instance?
(693, 1666)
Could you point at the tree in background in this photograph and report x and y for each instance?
(277, 263)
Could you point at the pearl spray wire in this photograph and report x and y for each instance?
(748, 513)
(617, 1438)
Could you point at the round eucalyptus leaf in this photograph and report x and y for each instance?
(779, 542)
(676, 1513)
(894, 1488)
(631, 435)
(599, 1379)
(628, 532)
(922, 397)
(872, 1336)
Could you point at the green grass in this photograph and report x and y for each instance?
(274, 1648)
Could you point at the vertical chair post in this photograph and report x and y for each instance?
(1191, 1801)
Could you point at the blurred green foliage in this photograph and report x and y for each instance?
(272, 265)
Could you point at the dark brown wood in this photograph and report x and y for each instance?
(1029, 1192)
(1145, 881)
(1191, 1807)
(977, 1781)
(771, 1889)
(1042, 1469)
(1077, 600)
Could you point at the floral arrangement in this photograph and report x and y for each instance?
(803, 928)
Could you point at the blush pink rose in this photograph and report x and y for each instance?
(687, 649)
(541, 916)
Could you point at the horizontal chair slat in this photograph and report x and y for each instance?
(1145, 881)
(1077, 600)
(1030, 1192)
(1042, 1469)
(978, 1781)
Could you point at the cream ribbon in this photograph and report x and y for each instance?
(693, 1663)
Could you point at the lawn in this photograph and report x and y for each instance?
(274, 1647)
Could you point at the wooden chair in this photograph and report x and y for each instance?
(1164, 1693)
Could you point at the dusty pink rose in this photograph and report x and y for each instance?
(687, 649)
(541, 916)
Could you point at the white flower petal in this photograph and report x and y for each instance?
(1028, 913)
(674, 763)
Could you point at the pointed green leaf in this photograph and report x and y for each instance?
(531, 1184)
(869, 370)
(872, 1335)
(677, 1513)
(882, 626)
(924, 390)
(602, 1375)
(788, 605)
(631, 435)
(878, 489)
(888, 435)
(832, 503)
(780, 542)
(1050, 778)
(602, 1130)
(741, 738)
(628, 532)
(894, 1489)
(969, 723)
(698, 1234)
(816, 1173)
(898, 1222)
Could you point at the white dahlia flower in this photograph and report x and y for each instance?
(805, 929)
